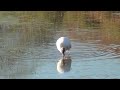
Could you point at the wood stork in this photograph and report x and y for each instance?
(63, 44)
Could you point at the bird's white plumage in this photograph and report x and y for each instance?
(63, 42)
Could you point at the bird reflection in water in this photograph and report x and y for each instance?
(64, 64)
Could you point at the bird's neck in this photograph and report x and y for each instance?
(63, 51)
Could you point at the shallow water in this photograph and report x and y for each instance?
(28, 50)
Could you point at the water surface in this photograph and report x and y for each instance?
(28, 49)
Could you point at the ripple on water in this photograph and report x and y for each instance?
(95, 51)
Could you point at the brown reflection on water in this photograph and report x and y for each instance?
(107, 40)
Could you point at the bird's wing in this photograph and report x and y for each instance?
(61, 45)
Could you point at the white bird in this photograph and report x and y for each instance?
(63, 44)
